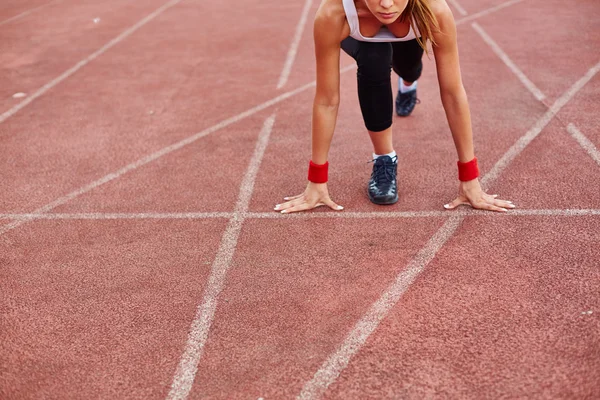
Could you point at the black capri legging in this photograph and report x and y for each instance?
(374, 61)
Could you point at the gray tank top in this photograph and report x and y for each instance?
(384, 35)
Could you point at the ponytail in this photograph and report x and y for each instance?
(423, 19)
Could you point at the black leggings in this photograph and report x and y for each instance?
(374, 61)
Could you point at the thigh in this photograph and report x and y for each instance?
(351, 47)
(406, 56)
(368, 52)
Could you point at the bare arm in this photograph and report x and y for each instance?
(456, 106)
(454, 97)
(327, 31)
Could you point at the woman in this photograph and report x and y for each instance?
(379, 34)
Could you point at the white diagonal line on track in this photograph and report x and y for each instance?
(289, 61)
(85, 61)
(487, 12)
(188, 365)
(537, 93)
(458, 7)
(25, 13)
(584, 142)
(338, 361)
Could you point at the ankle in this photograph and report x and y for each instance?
(392, 155)
(404, 87)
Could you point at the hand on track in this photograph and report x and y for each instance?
(315, 195)
(470, 193)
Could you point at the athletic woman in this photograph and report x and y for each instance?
(380, 35)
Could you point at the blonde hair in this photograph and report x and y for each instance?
(424, 19)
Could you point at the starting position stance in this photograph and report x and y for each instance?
(380, 35)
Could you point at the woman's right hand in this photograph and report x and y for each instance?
(315, 195)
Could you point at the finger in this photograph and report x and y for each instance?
(289, 204)
(504, 204)
(292, 197)
(487, 206)
(490, 197)
(331, 204)
(455, 203)
(300, 207)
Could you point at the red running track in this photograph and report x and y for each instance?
(140, 256)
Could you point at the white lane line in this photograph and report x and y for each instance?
(520, 145)
(338, 361)
(537, 93)
(584, 142)
(329, 214)
(465, 212)
(287, 68)
(573, 212)
(86, 61)
(164, 151)
(25, 13)
(458, 7)
(351, 215)
(487, 12)
(188, 365)
(103, 216)
(335, 364)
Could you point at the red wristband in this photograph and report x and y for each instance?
(468, 171)
(318, 173)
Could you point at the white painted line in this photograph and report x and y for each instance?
(352, 215)
(23, 14)
(537, 93)
(520, 145)
(289, 61)
(86, 61)
(554, 213)
(164, 151)
(104, 216)
(465, 212)
(487, 12)
(188, 365)
(584, 142)
(338, 361)
(335, 364)
(458, 7)
(248, 183)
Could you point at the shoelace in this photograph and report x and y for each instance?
(405, 100)
(384, 172)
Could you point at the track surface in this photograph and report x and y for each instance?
(140, 257)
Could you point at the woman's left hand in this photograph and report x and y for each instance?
(470, 193)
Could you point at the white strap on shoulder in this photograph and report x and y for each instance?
(351, 16)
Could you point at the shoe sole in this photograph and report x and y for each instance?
(383, 203)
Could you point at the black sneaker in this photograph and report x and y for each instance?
(382, 185)
(405, 103)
